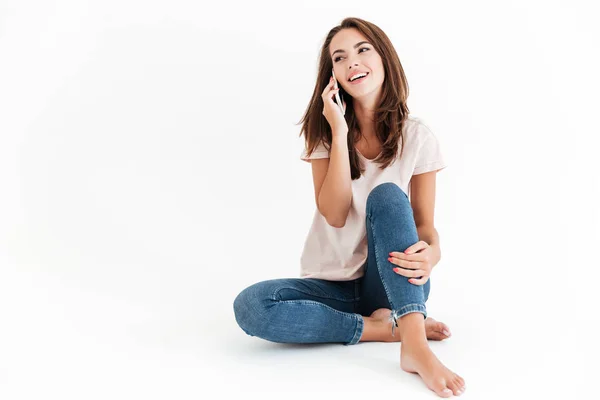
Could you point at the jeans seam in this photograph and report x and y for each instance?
(276, 292)
(303, 301)
(387, 293)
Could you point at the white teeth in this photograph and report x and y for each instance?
(355, 77)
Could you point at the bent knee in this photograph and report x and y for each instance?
(249, 308)
(386, 193)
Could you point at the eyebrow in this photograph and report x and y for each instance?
(355, 46)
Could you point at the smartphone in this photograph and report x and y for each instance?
(337, 95)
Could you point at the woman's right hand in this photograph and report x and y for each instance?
(332, 111)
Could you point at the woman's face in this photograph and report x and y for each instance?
(353, 58)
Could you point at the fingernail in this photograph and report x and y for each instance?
(447, 333)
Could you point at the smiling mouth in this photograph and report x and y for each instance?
(355, 81)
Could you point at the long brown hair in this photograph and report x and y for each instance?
(390, 113)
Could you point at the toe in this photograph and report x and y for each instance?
(460, 384)
(445, 329)
(442, 390)
(456, 387)
(435, 329)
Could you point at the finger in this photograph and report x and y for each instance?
(409, 273)
(330, 93)
(419, 282)
(420, 245)
(327, 87)
(408, 257)
(405, 263)
(416, 247)
(331, 84)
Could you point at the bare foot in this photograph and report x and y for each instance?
(417, 357)
(435, 330)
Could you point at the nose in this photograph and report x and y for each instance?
(352, 66)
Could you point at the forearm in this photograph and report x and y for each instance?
(429, 234)
(335, 197)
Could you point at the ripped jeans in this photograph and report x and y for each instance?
(311, 310)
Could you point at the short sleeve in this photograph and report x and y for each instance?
(429, 157)
(320, 152)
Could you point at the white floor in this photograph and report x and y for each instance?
(69, 339)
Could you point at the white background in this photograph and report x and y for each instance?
(150, 171)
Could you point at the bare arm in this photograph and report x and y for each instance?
(422, 198)
(334, 191)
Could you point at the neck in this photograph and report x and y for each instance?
(364, 109)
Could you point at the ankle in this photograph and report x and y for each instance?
(415, 342)
(412, 328)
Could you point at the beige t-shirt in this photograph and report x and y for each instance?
(338, 254)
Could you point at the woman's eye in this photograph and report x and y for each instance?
(359, 50)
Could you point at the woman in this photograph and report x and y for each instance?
(348, 292)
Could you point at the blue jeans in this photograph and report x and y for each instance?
(311, 310)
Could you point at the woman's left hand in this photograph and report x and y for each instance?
(417, 258)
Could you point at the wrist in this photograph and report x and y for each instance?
(437, 255)
(339, 134)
